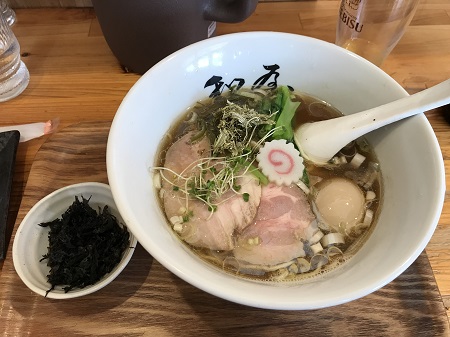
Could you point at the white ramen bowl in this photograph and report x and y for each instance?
(408, 152)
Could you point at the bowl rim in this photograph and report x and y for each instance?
(24, 226)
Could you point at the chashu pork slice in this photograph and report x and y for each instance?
(280, 225)
(203, 228)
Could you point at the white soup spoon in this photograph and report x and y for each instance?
(320, 141)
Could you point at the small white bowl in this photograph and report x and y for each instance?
(31, 240)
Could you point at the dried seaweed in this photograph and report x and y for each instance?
(83, 245)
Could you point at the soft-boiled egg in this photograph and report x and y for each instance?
(340, 203)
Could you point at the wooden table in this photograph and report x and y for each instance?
(75, 77)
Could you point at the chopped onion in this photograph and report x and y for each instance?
(357, 160)
(157, 180)
(303, 265)
(303, 187)
(339, 160)
(280, 274)
(316, 237)
(178, 227)
(332, 239)
(333, 251)
(176, 219)
(293, 268)
(311, 229)
(280, 162)
(335, 160)
(368, 217)
(370, 195)
(316, 248)
(317, 261)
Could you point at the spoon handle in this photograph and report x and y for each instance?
(422, 101)
(320, 141)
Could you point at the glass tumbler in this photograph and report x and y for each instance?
(372, 28)
(14, 75)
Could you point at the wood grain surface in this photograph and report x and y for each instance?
(66, 3)
(76, 78)
(147, 300)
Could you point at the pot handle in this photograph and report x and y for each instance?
(230, 11)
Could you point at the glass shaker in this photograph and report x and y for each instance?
(7, 12)
(14, 75)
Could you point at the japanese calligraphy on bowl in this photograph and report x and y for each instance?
(268, 79)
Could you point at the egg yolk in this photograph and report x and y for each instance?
(341, 203)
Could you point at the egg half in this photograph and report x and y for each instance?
(340, 203)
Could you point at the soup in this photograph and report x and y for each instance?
(236, 191)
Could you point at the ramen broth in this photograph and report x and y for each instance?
(319, 242)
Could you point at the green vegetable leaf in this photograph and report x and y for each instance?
(257, 173)
(305, 177)
(284, 119)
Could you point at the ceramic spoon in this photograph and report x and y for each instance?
(320, 141)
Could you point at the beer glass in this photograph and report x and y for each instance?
(372, 28)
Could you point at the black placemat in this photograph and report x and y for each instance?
(8, 147)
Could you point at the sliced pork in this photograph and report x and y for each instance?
(203, 228)
(280, 225)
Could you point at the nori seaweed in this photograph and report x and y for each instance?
(83, 245)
